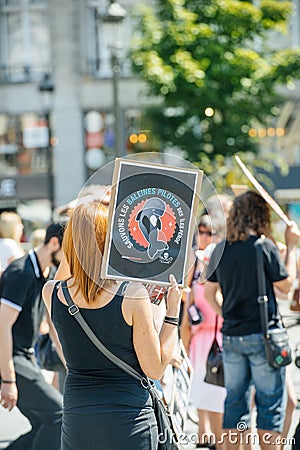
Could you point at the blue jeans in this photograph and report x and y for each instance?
(245, 364)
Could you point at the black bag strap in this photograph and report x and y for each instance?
(190, 297)
(262, 298)
(216, 327)
(75, 312)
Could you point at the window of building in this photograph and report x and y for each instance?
(24, 144)
(100, 136)
(24, 40)
(99, 51)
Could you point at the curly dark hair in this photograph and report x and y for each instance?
(250, 212)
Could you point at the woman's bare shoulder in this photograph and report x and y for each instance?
(47, 292)
(49, 286)
(136, 291)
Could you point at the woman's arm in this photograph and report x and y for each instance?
(213, 296)
(154, 351)
(185, 328)
(186, 291)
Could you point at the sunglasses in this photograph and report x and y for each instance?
(207, 233)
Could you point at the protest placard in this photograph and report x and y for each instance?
(151, 222)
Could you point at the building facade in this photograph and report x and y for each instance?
(52, 138)
(57, 96)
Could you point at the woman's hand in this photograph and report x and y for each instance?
(176, 361)
(173, 298)
(292, 235)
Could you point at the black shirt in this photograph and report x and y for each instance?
(21, 288)
(235, 271)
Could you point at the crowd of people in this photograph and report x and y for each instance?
(104, 407)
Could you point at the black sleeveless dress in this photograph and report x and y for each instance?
(104, 408)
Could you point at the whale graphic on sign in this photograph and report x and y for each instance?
(149, 223)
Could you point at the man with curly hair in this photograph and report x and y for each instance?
(233, 270)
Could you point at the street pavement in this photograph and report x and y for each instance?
(13, 423)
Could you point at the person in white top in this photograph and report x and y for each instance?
(11, 230)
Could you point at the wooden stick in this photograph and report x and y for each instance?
(274, 205)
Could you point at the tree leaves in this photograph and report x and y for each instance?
(212, 55)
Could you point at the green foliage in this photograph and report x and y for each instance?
(200, 54)
(224, 171)
(275, 14)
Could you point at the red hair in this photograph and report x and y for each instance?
(83, 246)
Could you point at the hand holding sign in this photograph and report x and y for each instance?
(274, 205)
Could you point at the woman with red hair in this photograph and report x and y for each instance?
(105, 407)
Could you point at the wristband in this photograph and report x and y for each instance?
(172, 320)
(8, 381)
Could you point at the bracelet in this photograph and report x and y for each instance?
(172, 320)
(8, 381)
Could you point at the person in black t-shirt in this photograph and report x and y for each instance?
(21, 312)
(233, 269)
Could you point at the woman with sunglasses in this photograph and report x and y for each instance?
(198, 338)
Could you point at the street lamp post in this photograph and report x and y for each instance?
(119, 141)
(46, 88)
(112, 20)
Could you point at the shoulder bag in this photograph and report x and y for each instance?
(214, 363)
(167, 439)
(276, 338)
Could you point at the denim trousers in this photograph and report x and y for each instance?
(245, 364)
